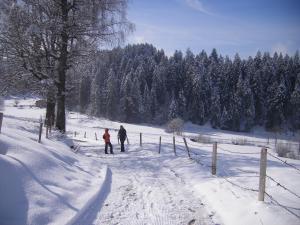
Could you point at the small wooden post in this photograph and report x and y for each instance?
(1, 119)
(174, 146)
(214, 159)
(276, 140)
(74, 133)
(40, 132)
(141, 139)
(85, 134)
(262, 174)
(187, 147)
(96, 136)
(127, 140)
(118, 140)
(268, 140)
(159, 148)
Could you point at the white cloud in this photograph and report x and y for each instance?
(197, 5)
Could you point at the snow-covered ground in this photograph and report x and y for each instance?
(47, 183)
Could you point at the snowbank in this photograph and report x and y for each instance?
(41, 183)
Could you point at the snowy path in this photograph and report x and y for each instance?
(144, 191)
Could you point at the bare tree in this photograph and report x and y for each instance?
(46, 38)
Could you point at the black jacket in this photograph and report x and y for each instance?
(122, 134)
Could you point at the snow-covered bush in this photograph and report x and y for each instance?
(175, 126)
(283, 149)
(204, 139)
(239, 141)
(16, 103)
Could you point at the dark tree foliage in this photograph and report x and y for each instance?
(141, 84)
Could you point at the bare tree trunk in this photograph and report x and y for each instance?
(62, 68)
(50, 110)
(60, 112)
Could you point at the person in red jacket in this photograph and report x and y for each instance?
(106, 138)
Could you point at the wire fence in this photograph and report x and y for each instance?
(285, 163)
(201, 158)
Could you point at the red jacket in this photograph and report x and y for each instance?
(106, 137)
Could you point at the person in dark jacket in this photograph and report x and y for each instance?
(122, 136)
(106, 137)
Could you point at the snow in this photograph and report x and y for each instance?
(41, 183)
(47, 183)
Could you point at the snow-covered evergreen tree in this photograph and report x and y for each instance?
(215, 110)
(295, 104)
(173, 109)
(84, 98)
(113, 97)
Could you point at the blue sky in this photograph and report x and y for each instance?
(230, 26)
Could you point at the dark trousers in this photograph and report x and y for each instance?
(110, 146)
(122, 145)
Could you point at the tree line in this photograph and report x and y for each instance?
(140, 84)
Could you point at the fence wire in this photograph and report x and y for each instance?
(243, 153)
(288, 164)
(287, 208)
(282, 186)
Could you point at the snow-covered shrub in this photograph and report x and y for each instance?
(239, 141)
(204, 139)
(283, 149)
(288, 150)
(175, 126)
(16, 103)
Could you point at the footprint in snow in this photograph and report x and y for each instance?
(191, 210)
(192, 222)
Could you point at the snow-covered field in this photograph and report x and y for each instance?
(47, 183)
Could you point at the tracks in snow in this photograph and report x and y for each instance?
(144, 191)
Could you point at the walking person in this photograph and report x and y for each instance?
(122, 136)
(106, 137)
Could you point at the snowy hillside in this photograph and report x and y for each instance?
(41, 183)
(48, 183)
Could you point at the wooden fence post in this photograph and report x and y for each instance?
(268, 140)
(74, 133)
(187, 147)
(141, 139)
(1, 119)
(262, 174)
(85, 134)
(214, 159)
(127, 140)
(96, 136)
(159, 145)
(40, 132)
(174, 146)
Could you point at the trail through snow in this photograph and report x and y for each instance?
(145, 191)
